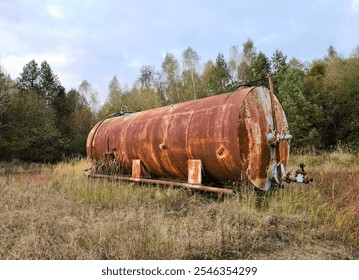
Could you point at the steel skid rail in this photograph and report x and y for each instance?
(194, 178)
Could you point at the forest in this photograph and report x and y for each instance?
(41, 121)
(50, 210)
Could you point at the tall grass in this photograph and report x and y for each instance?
(60, 214)
(336, 177)
(326, 161)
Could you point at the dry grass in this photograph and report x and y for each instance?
(57, 213)
(336, 177)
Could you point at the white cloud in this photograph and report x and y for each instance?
(10, 35)
(54, 11)
(269, 38)
(100, 39)
(15, 63)
(135, 63)
(355, 5)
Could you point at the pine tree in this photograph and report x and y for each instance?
(258, 70)
(30, 133)
(278, 61)
(302, 115)
(29, 79)
(220, 80)
(49, 84)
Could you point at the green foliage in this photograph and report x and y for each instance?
(147, 77)
(341, 101)
(147, 93)
(220, 80)
(320, 100)
(140, 100)
(81, 123)
(114, 99)
(249, 52)
(205, 79)
(32, 124)
(49, 86)
(81, 119)
(30, 133)
(39, 121)
(6, 88)
(332, 84)
(29, 79)
(300, 112)
(86, 90)
(278, 61)
(258, 69)
(170, 69)
(190, 75)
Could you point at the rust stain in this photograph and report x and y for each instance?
(195, 171)
(136, 168)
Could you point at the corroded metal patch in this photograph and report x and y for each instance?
(195, 171)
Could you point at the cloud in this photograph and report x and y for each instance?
(100, 39)
(135, 63)
(271, 37)
(355, 6)
(17, 62)
(14, 64)
(55, 11)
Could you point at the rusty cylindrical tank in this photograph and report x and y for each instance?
(229, 132)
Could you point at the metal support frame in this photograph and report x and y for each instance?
(136, 169)
(194, 171)
(194, 178)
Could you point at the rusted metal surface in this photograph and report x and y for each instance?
(227, 132)
(255, 123)
(136, 168)
(195, 171)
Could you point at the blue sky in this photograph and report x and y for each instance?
(95, 40)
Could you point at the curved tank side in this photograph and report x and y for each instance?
(228, 132)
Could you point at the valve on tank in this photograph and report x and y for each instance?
(298, 176)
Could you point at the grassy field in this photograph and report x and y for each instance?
(55, 212)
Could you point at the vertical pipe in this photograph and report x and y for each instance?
(271, 89)
(276, 159)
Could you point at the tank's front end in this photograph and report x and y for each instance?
(263, 137)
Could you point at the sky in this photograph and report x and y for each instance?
(96, 40)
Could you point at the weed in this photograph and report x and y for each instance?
(57, 213)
